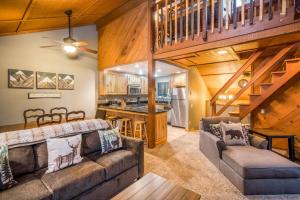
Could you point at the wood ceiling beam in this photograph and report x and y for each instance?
(26, 14)
(114, 14)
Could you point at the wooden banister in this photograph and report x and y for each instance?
(277, 58)
(240, 71)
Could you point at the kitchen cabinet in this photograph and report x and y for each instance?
(122, 84)
(179, 80)
(144, 85)
(115, 83)
(134, 79)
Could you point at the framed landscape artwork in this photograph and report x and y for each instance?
(65, 82)
(45, 80)
(20, 79)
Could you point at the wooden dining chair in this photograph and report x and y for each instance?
(49, 119)
(59, 110)
(32, 114)
(75, 116)
(100, 114)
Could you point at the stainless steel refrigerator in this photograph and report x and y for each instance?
(179, 107)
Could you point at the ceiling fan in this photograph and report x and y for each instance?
(69, 44)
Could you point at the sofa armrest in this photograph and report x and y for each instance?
(208, 146)
(137, 147)
(258, 142)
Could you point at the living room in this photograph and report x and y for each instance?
(144, 99)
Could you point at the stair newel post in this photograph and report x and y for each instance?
(214, 108)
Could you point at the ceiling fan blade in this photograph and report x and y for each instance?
(47, 46)
(88, 50)
(80, 43)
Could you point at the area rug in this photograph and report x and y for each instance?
(181, 161)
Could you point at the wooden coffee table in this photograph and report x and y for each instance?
(154, 187)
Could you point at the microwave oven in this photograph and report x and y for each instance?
(134, 90)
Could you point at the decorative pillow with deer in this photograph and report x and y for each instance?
(233, 134)
(110, 140)
(63, 152)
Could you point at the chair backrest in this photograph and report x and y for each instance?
(100, 114)
(48, 119)
(59, 110)
(32, 114)
(75, 116)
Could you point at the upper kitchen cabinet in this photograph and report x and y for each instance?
(115, 83)
(134, 79)
(144, 85)
(179, 80)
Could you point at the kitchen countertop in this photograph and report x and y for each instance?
(132, 108)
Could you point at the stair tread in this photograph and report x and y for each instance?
(279, 72)
(244, 104)
(234, 112)
(253, 94)
(263, 84)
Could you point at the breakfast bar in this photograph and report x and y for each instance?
(140, 113)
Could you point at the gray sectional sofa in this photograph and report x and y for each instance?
(252, 169)
(96, 177)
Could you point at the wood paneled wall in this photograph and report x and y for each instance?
(282, 112)
(124, 40)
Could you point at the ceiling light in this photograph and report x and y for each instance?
(118, 69)
(136, 66)
(178, 72)
(155, 75)
(69, 49)
(222, 52)
(158, 70)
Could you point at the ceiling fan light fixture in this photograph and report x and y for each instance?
(69, 49)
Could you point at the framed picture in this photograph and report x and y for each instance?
(65, 82)
(45, 80)
(20, 79)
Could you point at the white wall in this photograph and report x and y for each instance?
(23, 52)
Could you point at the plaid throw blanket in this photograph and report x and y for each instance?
(37, 135)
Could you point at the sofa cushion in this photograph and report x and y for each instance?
(28, 187)
(21, 160)
(206, 121)
(233, 134)
(72, 181)
(41, 155)
(90, 142)
(252, 163)
(115, 162)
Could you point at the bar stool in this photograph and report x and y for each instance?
(141, 130)
(125, 126)
(113, 120)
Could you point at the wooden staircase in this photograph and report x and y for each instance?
(266, 89)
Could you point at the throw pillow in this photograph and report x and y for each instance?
(63, 152)
(216, 130)
(110, 140)
(6, 177)
(233, 134)
(245, 128)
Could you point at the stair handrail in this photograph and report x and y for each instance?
(236, 75)
(279, 56)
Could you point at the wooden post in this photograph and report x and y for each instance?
(171, 23)
(192, 19)
(243, 13)
(166, 22)
(220, 15)
(151, 79)
(234, 14)
(227, 15)
(212, 15)
(283, 8)
(176, 26)
(186, 19)
(156, 26)
(198, 18)
(181, 21)
(261, 9)
(205, 21)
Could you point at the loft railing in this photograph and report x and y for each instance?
(177, 21)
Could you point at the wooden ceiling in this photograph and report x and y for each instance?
(18, 16)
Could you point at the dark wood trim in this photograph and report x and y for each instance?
(151, 80)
